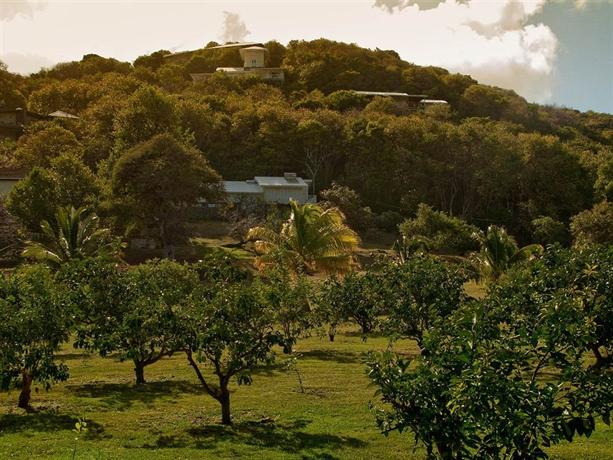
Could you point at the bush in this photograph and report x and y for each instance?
(594, 225)
(547, 230)
(349, 203)
(345, 100)
(443, 233)
(388, 221)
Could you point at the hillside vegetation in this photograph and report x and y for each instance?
(489, 157)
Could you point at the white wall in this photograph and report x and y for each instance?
(284, 194)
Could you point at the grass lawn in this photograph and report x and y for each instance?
(170, 417)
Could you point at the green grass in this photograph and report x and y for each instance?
(171, 418)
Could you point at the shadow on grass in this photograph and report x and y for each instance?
(75, 356)
(341, 357)
(289, 437)
(47, 422)
(370, 335)
(122, 396)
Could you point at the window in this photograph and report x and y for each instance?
(254, 63)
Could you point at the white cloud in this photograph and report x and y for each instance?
(25, 63)
(391, 5)
(234, 29)
(492, 41)
(10, 9)
(527, 67)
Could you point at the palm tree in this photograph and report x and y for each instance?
(311, 240)
(76, 235)
(499, 252)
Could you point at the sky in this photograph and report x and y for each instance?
(555, 52)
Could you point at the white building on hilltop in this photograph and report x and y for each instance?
(254, 63)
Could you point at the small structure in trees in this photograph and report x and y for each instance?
(270, 189)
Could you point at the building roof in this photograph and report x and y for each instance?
(229, 69)
(229, 45)
(390, 94)
(276, 181)
(254, 48)
(12, 174)
(27, 112)
(242, 69)
(236, 45)
(241, 186)
(62, 114)
(433, 101)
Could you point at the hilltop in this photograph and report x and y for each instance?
(488, 155)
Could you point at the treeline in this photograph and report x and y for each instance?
(488, 157)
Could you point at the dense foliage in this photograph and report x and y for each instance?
(34, 323)
(490, 157)
(130, 312)
(506, 376)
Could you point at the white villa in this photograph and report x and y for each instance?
(254, 63)
(270, 189)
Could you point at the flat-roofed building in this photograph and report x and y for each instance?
(254, 63)
(270, 189)
(409, 100)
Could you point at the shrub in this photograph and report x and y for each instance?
(444, 233)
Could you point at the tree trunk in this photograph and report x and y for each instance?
(224, 400)
(168, 249)
(444, 451)
(332, 332)
(366, 326)
(26, 391)
(288, 338)
(139, 370)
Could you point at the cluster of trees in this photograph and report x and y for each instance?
(498, 377)
(507, 375)
(488, 158)
(208, 311)
(503, 376)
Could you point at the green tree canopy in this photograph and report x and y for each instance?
(40, 147)
(156, 183)
(34, 322)
(505, 377)
(440, 231)
(594, 225)
(131, 312)
(233, 331)
(66, 182)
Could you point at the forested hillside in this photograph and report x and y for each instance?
(487, 157)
